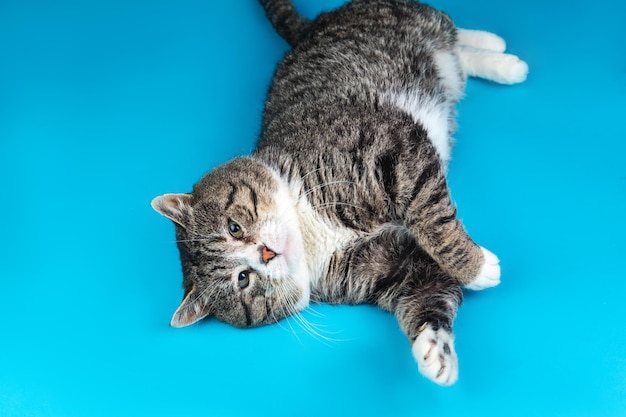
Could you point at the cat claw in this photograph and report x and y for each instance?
(489, 275)
(434, 352)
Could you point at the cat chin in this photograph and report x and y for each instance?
(285, 238)
(288, 229)
(296, 258)
(298, 272)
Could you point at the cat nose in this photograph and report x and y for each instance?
(267, 254)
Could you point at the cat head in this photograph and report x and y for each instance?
(240, 247)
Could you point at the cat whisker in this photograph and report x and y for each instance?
(313, 171)
(288, 303)
(199, 238)
(337, 203)
(282, 295)
(293, 331)
(314, 312)
(317, 187)
(192, 240)
(313, 329)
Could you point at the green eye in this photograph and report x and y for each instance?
(234, 229)
(244, 279)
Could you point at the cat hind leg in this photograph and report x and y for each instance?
(481, 40)
(494, 66)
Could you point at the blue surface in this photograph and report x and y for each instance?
(105, 104)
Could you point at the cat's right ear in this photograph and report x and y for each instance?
(176, 207)
(192, 309)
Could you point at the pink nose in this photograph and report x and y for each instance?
(267, 254)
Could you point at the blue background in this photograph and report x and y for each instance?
(105, 104)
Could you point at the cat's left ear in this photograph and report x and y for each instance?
(192, 309)
(176, 207)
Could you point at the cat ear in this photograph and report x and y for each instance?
(191, 310)
(175, 207)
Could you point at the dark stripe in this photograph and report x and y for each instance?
(343, 274)
(231, 196)
(321, 180)
(253, 197)
(268, 308)
(355, 155)
(365, 140)
(251, 215)
(435, 197)
(396, 276)
(347, 262)
(410, 222)
(385, 283)
(446, 249)
(216, 267)
(426, 174)
(445, 219)
(341, 213)
(387, 165)
(246, 311)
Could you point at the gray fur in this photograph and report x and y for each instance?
(362, 163)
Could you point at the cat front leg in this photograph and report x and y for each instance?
(425, 313)
(434, 353)
(389, 269)
(431, 217)
(424, 300)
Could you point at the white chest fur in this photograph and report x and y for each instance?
(320, 238)
(309, 239)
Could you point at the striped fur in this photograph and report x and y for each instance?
(346, 188)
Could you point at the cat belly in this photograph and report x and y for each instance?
(429, 115)
(431, 112)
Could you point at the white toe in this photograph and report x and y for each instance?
(489, 275)
(509, 69)
(435, 355)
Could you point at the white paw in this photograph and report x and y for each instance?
(507, 69)
(489, 275)
(435, 355)
(481, 39)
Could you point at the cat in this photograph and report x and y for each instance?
(345, 199)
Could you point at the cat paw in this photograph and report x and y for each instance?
(434, 352)
(507, 68)
(489, 275)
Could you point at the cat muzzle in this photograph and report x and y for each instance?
(267, 254)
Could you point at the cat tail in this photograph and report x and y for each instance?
(286, 20)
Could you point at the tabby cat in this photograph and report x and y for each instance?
(345, 198)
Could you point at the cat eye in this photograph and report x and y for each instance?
(234, 229)
(244, 279)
